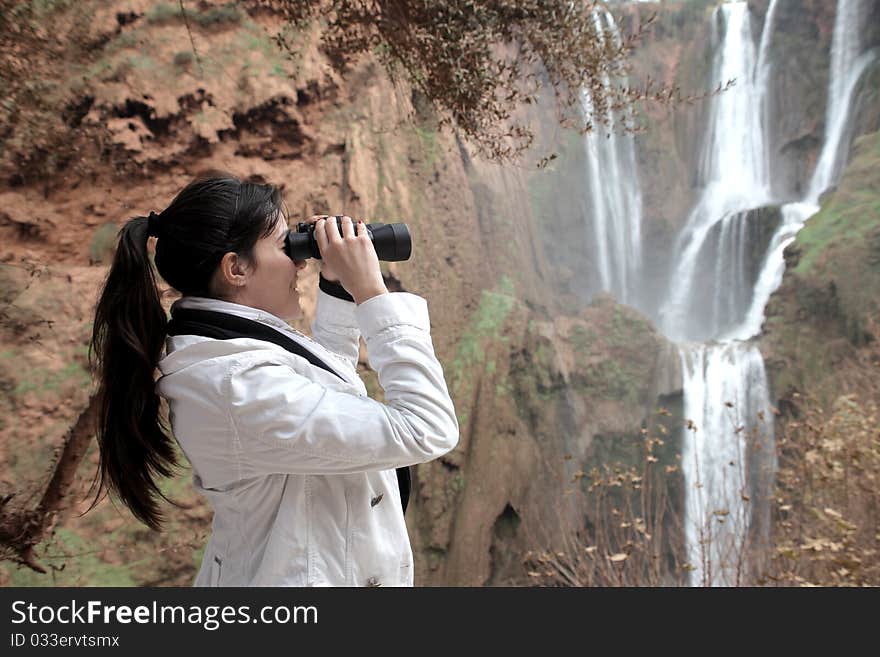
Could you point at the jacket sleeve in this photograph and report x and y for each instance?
(287, 423)
(336, 327)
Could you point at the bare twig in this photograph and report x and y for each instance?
(191, 39)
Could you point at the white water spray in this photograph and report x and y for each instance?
(733, 169)
(726, 393)
(714, 295)
(614, 195)
(847, 68)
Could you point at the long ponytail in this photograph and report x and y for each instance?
(127, 339)
(214, 214)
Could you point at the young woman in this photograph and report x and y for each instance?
(296, 460)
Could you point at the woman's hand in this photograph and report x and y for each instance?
(349, 257)
(326, 270)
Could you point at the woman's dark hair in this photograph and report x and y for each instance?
(214, 214)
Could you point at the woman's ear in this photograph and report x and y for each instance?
(234, 270)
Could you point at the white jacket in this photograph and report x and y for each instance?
(297, 464)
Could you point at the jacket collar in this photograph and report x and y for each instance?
(184, 350)
(204, 303)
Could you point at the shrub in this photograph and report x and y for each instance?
(217, 15)
(163, 13)
(827, 496)
(183, 59)
(103, 244)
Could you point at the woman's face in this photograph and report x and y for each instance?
(270, 283)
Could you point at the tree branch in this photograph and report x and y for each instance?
(21, 530)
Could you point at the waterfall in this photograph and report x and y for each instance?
(733, 171)
(726, 399)
(613, 194)
(846, 69)
(764, 66)
(718, 290)
(726, 390)
(793, 217)
(725, 387)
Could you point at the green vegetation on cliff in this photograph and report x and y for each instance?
(836, 255)
(832, 286)
(848, 224)
(470, 360)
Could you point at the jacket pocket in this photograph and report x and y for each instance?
(216, 568)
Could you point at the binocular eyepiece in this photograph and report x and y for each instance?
(391, 241)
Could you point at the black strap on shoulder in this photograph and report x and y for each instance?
(223, 326)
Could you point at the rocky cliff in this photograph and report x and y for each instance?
(821, 347)
(826, 308)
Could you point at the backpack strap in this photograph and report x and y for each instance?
(223, 326)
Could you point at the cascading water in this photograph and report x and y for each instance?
(718, 291)
(763, 69)
(734, 174)
(725, 391)
(847, 66)
(713, 260)
(725, 387)
(616, 208)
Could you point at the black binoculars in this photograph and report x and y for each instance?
(391, 241)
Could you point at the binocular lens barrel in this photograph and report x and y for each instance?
(392, 242)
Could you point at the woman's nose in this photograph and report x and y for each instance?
(299, 264)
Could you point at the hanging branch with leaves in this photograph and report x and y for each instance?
(477, 61)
